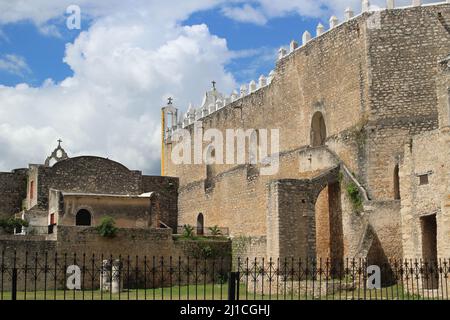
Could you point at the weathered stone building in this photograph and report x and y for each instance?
(362, 114)
(425, 192)
(65, 199)
(83, 190)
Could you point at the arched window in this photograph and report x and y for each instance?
(83, 218)
(200, 225)
(318, 130)
(396, 183)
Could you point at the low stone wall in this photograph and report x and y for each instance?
(148, 258)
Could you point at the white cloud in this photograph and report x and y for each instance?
(261, 11)
(246, 13)
(134, 55)
(125, 66)
(14, 64)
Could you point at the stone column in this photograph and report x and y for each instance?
(110, 278)
(116, 277)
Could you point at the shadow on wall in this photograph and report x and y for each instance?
(377, 256)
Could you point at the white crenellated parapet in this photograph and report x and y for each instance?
(320, 30)
(252, 86)
(205, 111)
(365, 6)
(198, 114)
(243, 90)
(416, 3)
(262, 81)
(219, 104)
(390, 4)
(271, 76)
(186, 121)
(349, 13)
(234, 96)
(293, 45)
(191, 114)
(281, 53)
(334, 21)
(227, 101)
(306, 37)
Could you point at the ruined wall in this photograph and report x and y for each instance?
(12, 192)
(403, 50)
(291, 221)
(241, 194)
(425, 157)
(167, 188)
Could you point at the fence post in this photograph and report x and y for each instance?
(14, 285)
(233, 286)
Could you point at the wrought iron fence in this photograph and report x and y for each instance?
(34, 276)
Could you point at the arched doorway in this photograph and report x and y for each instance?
(318, 130)
(83, 218)
(329, 229)
(200, 225)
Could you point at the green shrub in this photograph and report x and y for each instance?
(355, 197)
(188, 231)
(215, 231)
(107, 228)
(11, 224)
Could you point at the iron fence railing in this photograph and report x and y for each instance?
(43, 276)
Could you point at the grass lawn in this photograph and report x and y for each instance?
(212, 292)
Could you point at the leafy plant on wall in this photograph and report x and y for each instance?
(11, 224)
(107, 228)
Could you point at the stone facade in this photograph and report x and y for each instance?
(12, 192)
(348, 100)
(425, 192)
(89, 178)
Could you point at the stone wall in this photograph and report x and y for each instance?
(128, 212)
(427, 156)
(96, 175)
(373, 80)
(402, 54)
(167, 188)
(12, 192)
(87, 175)
(83, 246)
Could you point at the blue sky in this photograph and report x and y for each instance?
(100, 89)
(44, 53)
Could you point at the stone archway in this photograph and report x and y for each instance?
(83, 218)
(318, 130)
(328, 226)
(200, 225)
